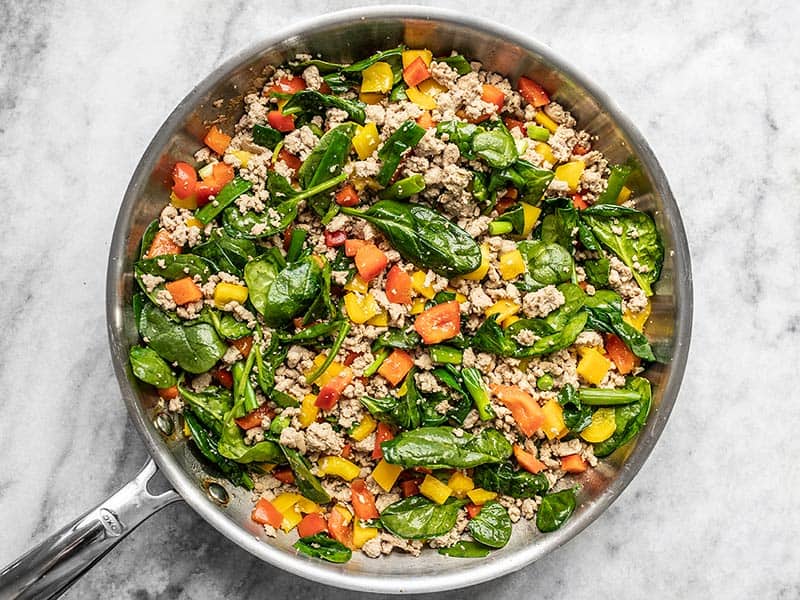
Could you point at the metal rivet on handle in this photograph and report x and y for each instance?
(164, 423)
(217, 493)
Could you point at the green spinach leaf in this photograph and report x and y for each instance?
(464, 549)
(406, 137)
(149, 367)
(440, 448)
(210, 406)
(417, 517)
(224, 199)
(503, 479)
(304, 479)
(632, 236)
(227, 253)
(605, 314)
(312, 102)
(496, 147)
(555, 509)
(205, 442)
(547, 264)
(322, 546)
(196, 348)
(291, 291)
(423, 236)
(577, 417)
(492, 526)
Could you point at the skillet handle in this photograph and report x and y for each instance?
(48, 569)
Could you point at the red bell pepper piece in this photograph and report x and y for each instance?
(266, 513)
(363, 501)
(277, 120)
(398, 286)
(439, 323)
(184, 179)
(334, 239)
(311, 524)
(533, 93)
(623, 358)
(287, 85)
(347, 196)
(370, 261)
(528, 461)
(416, 72)
(382, 434)
(254, 417)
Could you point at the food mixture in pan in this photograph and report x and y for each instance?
(402, 302)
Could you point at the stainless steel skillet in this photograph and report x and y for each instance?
(48, 569)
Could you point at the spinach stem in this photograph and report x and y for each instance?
(604, 397)
(337, 344)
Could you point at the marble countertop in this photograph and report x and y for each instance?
(712, 85)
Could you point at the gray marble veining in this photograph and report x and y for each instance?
(714, 87)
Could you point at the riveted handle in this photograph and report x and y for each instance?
(48, 569)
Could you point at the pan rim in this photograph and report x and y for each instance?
(317, 571)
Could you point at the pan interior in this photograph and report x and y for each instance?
(346, 37)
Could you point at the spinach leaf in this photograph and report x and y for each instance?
(322, 546)
(464, 549)
(496, 147)
(555, 509)
(226, 325)
(304, 479)
(147, 238)
(259, 275)
(207, 445)
(267, 363)
(266, 136)
(616, 179)
(548, 264)
(597, 271)
(556, 341)
(209, 406)
(149, 367)
(638, 243)
(574, 300)
(175, 266)
(605, 314)
(417, 517)
(196, 348)
(356, 67)
(561, 224)
(530, 181)
(440, 448)
(344, 328)
(492, 526)
(403, 411)
(397, 338)
(423, 236)
(503, 479)
(629, 418)
(576, 416)
(291, 291)
(460, 134)
(462, 402)
(456, 62)
(325, 162)
(490, 337)
(265, 224)
(227, 253)
(511, 221)
(225, 198)
(406, 137)
(311, 102)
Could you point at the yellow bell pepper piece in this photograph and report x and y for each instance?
(229, 292)
(243, 155)
(189, 203)
(637, 320)
(460, 298)
(377, 78)
(593, 366)
(356, 284)
(511, 265)
(509, 320)
(553, 426)
(483, 269)
(361, 535)
(291, 518)
(409, 56)
(624, 194)
(304, 505)
(417, 306)
(602, 427)
(424, 101)
(360, 307)
(435, 490)
(570, 173)
(385, 474)
(503, 309)
(430, 87)
(460, 484)
(481, 496)
(308, 412)
(338, 466)
(542, 119)
(364, 428)
(192, 222)
(332, 371)
(371, 97)
(418, 285)
(380, 320)
(286, 501)
(206, 170)
(366, 140)
(546, 152)
(531, 214)
(346, 514)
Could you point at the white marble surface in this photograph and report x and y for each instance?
(713, 87)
